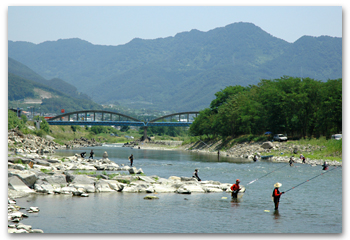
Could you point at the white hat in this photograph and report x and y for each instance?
(277, 185)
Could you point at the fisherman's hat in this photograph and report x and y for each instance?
(277, 185)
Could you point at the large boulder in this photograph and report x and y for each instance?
(85, 182)
(15, 183)
(103, 186)
(115, 185)
(267, 145)
(160, 188)
(28, 177)
(192, 188)
(56, 180)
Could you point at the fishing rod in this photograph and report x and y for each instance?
(310, 179)
(266, 174)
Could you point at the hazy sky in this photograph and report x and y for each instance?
(114, 25)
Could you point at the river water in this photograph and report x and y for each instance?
(312, 207)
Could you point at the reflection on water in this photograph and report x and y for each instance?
(202, 212)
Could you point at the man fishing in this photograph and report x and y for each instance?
(325, 166)
(276, 194)
(291, 161)
(131, 159)
(235, 189)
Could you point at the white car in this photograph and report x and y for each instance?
(337, 136)
(280, 137)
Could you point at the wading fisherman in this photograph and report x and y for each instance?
(131, 159)
(235, 189)
(195, 175)
(91, 154)
(291, 161)
(276, 194)
(325, 166)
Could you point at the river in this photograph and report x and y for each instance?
(312, 207)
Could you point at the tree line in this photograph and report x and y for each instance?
(297, 107)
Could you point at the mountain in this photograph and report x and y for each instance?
(183, 72)
(23, 71)
(24, 83)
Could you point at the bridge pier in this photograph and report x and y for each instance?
(145, 133)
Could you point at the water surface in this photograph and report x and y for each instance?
(313, 207)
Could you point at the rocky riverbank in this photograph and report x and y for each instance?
(78, 177)
(248, 150)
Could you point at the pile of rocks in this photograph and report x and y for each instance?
(14, 216)
(53, 176)
(82, 142)
(20, 143)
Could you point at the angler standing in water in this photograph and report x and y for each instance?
(291, 161)
(235, 189)
(276, 194)
(325, 166)
(131, 159)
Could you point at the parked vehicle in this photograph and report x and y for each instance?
(280, 137)
(337, 136)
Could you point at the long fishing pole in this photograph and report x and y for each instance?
(310, 179)
(266, 174)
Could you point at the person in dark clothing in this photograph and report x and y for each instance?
(325, 166)
(195, 175)
(131, 159)
(255, 158)
(276, 194)
(291, 161)
(83, 154)
(235, 189)
(302, 158)
(91, 154)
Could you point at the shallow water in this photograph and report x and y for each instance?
(313, 207)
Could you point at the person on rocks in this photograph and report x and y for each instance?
(255, 158)
(131, 159)
(276, 194)
(91, 154)
(195, 175)
(291, 161)
(325, 166)
(302, 158)
(83, 154)
(235, 189)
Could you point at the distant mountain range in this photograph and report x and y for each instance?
(183, 72)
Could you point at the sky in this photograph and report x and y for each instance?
(115, 25)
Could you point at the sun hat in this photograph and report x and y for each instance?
(277, 185)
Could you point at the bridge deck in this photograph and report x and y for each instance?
(121, 123)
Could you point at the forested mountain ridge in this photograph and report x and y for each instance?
(182, 72)
(25, 72)
(24, 83)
